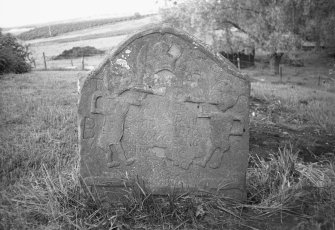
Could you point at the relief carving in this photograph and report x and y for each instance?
(164, 105)
(88, 127)
(237, 128)
(114, 109)
(222, 126)
(97, 102)
(156, 64)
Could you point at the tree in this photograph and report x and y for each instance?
(319, 20)
(276, 26)
(14, 57)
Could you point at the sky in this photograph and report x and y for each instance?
(24, 12)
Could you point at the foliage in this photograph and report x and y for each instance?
(318, 110)
(57, 29)
(318, 20)
(13, 55)
(274, 26)
(261, 20)
(76, 52)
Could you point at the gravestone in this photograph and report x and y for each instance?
(164, 109)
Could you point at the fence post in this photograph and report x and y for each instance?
(238, 63)
(319, 80)
(71, 62)
(45, 62)
(249, 64)
(50, 31)
(281, 73)
(83, 63)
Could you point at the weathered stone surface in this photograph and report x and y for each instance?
(165, 109)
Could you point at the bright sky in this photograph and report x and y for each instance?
(25, 12)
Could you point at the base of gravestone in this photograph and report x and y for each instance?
(125, 190)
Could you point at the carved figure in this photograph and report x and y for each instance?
(114, 109)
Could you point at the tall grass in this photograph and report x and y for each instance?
(40, 187)
(38, 141)
(286, 184)
(314, 106)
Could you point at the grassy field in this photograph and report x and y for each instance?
(104, 37)
(40, 187)
(115, 29)
(58, 29)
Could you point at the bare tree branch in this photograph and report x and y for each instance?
(242, 9)
(234, 24)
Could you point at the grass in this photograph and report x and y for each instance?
(104, 37)
(108, 30)
(40, 187)
(314, 106)
(58, 29)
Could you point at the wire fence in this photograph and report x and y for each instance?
(89, 63)
(45, 62)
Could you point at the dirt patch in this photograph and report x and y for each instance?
(272, 128)
(77, 52)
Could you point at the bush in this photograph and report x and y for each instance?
(77, 52)
(13, 56)
(293, 59)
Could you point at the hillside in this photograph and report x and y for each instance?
(106, 30)
(62, 28)
(103, 37)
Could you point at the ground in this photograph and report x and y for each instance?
(267, 134)
(276, 122)
(39, 160)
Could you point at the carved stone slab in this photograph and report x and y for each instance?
(163, 108)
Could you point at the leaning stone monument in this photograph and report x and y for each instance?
(163, 108)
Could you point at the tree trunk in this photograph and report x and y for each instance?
(228, 39)
(275, 61)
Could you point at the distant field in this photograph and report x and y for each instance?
(58, 29)
(17, 31)
(54, 49)
(104, 37)
(108, 30)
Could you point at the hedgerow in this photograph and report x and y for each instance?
(14, 57)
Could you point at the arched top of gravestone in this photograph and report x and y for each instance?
(201, 46)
